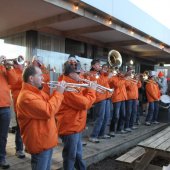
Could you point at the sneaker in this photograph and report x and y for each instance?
(105, 137)
(155, 122)
(123, 132)
(4, 165)
(112, 134)
(84, 143)
(134, 127)
(147, 123)
(128, 129)
(138, 123)
(20, 154)
(94, 140)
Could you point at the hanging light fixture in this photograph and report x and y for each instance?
(110, 21)
(76, 6)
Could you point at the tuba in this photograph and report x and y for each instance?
(114, 59)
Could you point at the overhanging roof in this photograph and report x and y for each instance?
(83, 25)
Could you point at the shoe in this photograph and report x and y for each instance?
(4, 165)
(94, 140)
(84, 143)
(20, 154)
(112, 134)
(147, 123)
(123, 132)
(105, 137)
(128, 129)
(155, 122)
(134, 127)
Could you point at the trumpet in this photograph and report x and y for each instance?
(131, 79)
(19, 60)
(99, 87)
(69, 86)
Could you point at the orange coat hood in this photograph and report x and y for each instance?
(36, 117)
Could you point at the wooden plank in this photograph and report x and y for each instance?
(132, 155)
(155, 137)
(136, 156)
(159, 141)
(164, 146)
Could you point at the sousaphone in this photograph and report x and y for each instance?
(114, 59)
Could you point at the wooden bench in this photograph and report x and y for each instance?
(131, 156)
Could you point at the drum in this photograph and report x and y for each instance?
(165, 99)
(164, 109)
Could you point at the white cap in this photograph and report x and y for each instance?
(72, 59)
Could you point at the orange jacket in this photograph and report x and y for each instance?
(119, 86)
(15, 82)
(152, 91)
(104, 81)
(46, 76)
(36, 116)
(73, 111)
(101, 80)
(132, 89)
(5, 100)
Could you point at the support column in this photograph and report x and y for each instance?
(31, 44)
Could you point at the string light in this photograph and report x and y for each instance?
(131, 32)
(161, 46)
(76, 6)
(110, 21)
(149, 40)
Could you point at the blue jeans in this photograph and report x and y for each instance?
(5, 116)
(18, 139)
(152, 111)
(72, 152)
(118, 116)
(131, 112)
(102, 110)
(42, 161)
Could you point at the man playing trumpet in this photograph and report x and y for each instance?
(72, 118)
(102, 103)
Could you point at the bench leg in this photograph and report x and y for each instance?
(145, 160)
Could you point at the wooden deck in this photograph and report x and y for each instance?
(92, 152)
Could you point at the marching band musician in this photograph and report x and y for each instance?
(36, 112)
(118, 99)
(153, 95)
(14, 74)
(102, 103)
(72, 119)
(5, 114)
(132, 100)
(38, 61)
